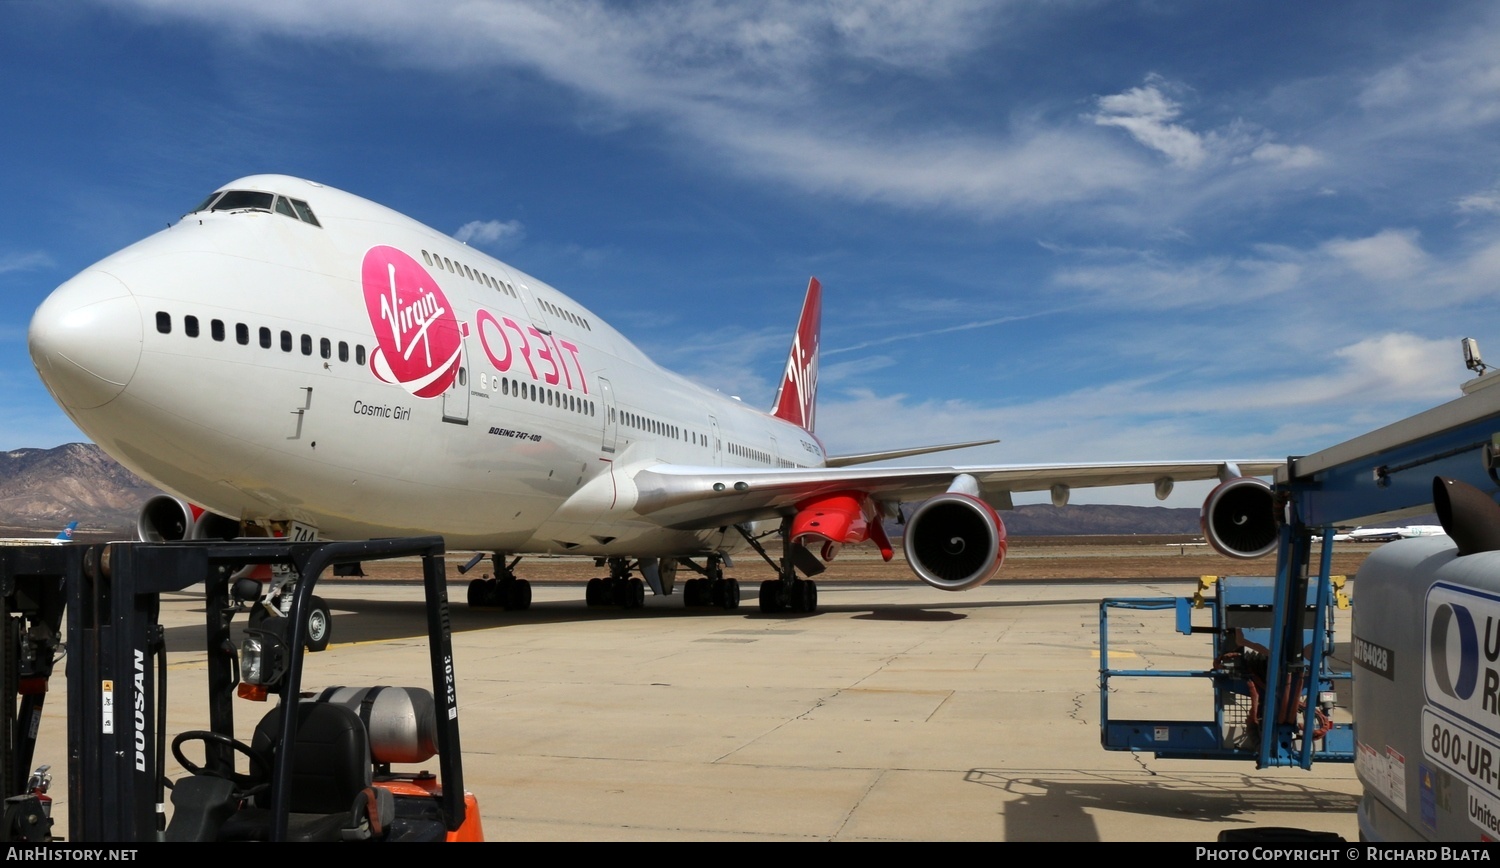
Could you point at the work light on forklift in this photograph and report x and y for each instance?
(263, 658)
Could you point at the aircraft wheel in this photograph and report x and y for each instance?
(478, 590)
(693, 593)
(637, 594)
(731, 594)
(810, 596)
(519, 597)
(593, 593)
(769, 596)
(319, 625)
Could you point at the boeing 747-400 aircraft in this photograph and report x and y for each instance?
(292, 353)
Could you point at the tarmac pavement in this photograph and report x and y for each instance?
(895, 713)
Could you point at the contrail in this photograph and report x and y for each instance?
(889, 339)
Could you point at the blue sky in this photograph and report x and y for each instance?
(1095, 230)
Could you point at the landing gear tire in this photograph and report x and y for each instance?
(593, 593)
(809, 596)
(770, 596)
(637, 598)
(479, 591)
(803, 596)
(730, 593)
(518, 595)
(319, 625)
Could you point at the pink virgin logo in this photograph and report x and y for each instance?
(420, 340)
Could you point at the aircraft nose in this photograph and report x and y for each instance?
(85, 340)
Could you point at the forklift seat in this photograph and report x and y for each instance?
(330, 766)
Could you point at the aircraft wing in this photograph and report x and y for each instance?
(688, 497)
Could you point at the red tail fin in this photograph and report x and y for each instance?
(797, 398)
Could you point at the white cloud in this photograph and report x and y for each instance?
(1487, 202)
(24, 261)
(1331, 395)
(1287, 156)
(765, 86)
(1145, 281)
(1146, 113)
(491, 233)
(1453, 85)
(1392, 254)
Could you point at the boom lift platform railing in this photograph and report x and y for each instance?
(1384, 475)
(1250, 721)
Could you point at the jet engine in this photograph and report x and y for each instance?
(1239, 518)
(165, 519)
(955, 541)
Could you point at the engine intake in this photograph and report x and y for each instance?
(165, 518)
(1239, 518)
(955, 542)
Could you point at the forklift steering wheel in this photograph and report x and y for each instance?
(260, 769)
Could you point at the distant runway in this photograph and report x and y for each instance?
(896, 713)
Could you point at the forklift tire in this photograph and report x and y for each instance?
(319, 625)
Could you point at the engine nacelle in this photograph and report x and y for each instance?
(166, 519)
(955, 542)
(1239, 518)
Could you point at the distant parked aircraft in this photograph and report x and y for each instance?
(63, 536)
(1386, 534)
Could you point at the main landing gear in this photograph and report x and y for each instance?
(617, 590)
(713, 589)
(788, 593)
(269, 589)
(504, 590)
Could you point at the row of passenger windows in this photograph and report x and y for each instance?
(752, 454)
(326, 349)
(474, 274)
(664, 429)
(544, 395)
(288, 341)
(508, 386)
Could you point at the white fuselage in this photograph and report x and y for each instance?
(247, 361)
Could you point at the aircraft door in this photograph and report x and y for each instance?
(718, 442)
(607, 411)
(456, 398)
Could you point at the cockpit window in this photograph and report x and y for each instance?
(254, 200)
(243, 200)
(305, 212)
